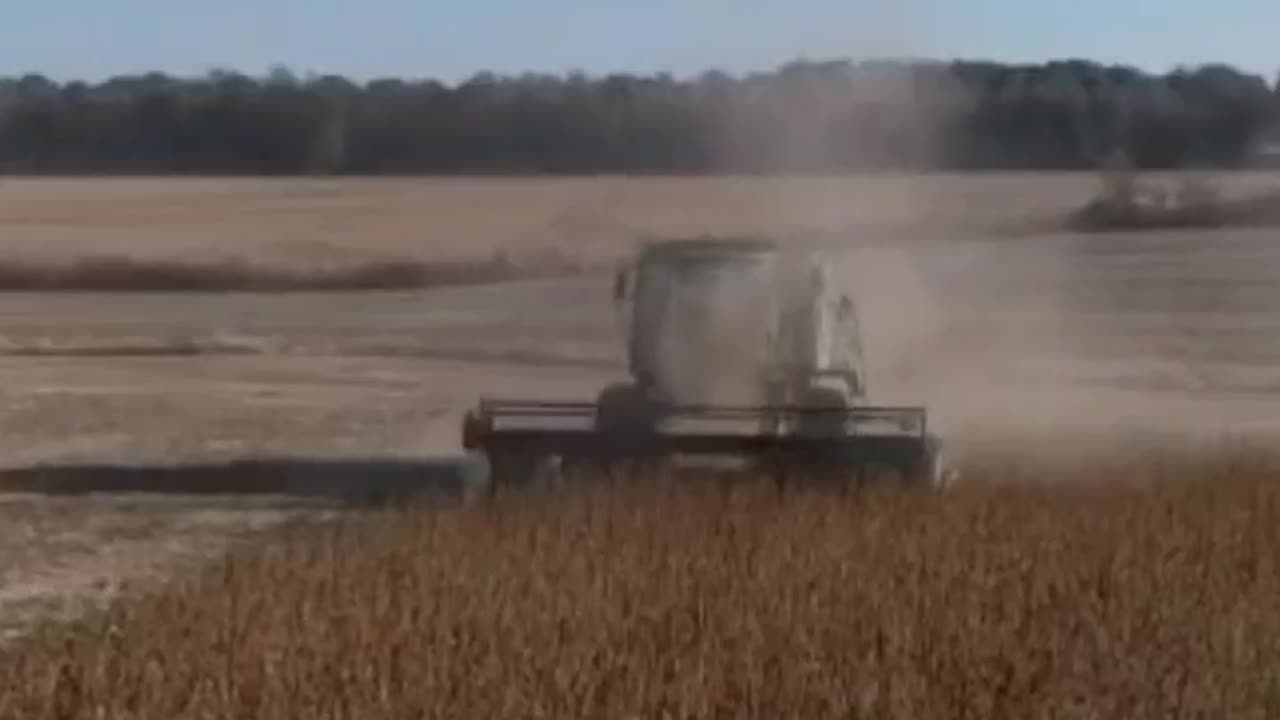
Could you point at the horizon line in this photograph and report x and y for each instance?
(307, 73)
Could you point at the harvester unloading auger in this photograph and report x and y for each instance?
(736, 349)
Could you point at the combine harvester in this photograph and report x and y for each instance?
(738, 350)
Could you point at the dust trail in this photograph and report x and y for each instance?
(996, 344)
(897, 316)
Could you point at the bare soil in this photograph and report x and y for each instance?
(63, 556)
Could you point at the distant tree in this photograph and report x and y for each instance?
(806, 116)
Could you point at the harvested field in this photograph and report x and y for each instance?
(1048, 345)
(340, 223)
(63, 556)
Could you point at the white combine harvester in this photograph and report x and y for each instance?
(737, 350)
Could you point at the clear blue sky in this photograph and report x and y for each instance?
(451, 39)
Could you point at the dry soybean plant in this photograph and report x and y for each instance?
(1053, 598)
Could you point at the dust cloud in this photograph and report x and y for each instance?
(1070, 344)
(1062, 337)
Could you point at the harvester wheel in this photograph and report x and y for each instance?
(626, 419)
(822, 424)
(930, 470)
(521, 470)
(625, 407)
(823, 470)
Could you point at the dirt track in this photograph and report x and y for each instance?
(1027, 336)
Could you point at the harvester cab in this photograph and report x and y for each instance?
(735, 348)
(736, 321)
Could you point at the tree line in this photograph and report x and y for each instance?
(802, 117)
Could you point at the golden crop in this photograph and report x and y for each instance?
(1056, 598)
